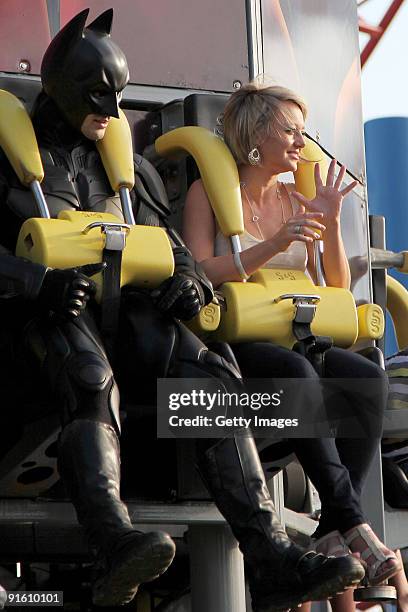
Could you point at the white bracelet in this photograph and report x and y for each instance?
(239, 266)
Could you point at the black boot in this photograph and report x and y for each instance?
(281, 575)
(89, 464)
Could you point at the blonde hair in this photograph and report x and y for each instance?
(255, 111)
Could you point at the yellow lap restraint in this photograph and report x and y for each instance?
(76, 238)
(260, 308)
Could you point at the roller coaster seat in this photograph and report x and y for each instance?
(28, 468)
(205, 110)
(28, 461)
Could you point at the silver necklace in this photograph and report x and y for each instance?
(257, 218)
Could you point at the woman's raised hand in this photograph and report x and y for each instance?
(304, 226)
(328, 197)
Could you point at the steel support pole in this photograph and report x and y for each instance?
(217, 570)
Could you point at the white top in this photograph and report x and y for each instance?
(294, 258)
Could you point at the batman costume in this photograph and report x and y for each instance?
(83, 74)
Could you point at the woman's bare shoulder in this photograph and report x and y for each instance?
(196, 187)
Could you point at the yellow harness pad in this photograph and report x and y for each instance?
(18, 140)
(61, 243)
(397, 305)
(252, 315)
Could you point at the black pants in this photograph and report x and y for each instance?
(337, 467)
(71, 357)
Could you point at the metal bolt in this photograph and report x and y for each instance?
(237, 84)
(24, 65)
(317, 135)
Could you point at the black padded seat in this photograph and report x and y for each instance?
(24, 87)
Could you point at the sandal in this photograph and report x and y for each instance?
(374, 548)
(332, 544)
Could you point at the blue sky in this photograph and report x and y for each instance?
(384, 77)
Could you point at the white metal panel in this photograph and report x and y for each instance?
(312, 47)
(182, 43)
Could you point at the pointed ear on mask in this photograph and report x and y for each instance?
(103, 23)
(73, 30)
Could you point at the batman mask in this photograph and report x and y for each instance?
(83, 70)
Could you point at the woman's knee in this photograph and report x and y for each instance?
(342, 363)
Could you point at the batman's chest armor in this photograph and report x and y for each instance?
(74, 180)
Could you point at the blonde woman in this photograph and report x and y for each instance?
(264, 129)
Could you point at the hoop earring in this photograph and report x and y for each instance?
(254, 157)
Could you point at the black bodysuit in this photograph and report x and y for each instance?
(150, 344)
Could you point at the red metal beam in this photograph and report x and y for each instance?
(377, 32)
(367, 28)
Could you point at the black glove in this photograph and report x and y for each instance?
(67, 292)
(184, 294)
(179, 296)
